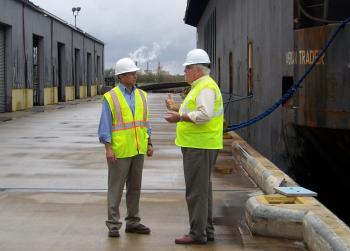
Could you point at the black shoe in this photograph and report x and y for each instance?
(210, 238)
(138, 229)
(113, 232)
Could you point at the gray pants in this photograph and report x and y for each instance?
(129, 171)
(198, 164)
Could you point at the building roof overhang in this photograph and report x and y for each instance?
(194, 11)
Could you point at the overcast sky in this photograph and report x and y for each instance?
(146, 30)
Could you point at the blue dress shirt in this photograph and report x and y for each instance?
(105, 126)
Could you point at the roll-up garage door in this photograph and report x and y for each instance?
(2, 70)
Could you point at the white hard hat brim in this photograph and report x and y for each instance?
(191, 63)
(130, 70)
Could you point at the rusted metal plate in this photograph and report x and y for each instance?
(322, 99)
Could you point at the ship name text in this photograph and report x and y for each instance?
(304, 57)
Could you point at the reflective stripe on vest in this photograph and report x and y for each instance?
(207, 135)
(120, 124)
(129, 131)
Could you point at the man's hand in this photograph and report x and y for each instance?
(111, 159)
(171, 104)
(150, 151)
(172, 117)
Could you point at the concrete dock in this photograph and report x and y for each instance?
(53, 180)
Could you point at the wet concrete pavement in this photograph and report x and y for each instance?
(53, 188)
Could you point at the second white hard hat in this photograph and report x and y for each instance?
(125, 65)
(197, 56)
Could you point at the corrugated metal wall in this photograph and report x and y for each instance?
(251, 40)
(2, 70)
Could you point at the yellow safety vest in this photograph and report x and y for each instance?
(204, 136)
(129, 132)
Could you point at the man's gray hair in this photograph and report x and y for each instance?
(205, 69)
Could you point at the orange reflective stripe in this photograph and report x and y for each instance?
(141, 123)
(111, 93)
(118, 110)
(136, 121)
(137, 140)
(144, 102)
(130, 125)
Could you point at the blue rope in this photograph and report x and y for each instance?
(292, 89)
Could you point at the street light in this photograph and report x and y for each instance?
(75, 11)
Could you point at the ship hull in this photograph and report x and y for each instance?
(316, 121)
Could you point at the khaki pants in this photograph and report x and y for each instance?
(125, 171)
(198, 164)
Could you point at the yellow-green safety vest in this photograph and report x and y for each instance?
(129, 132)
(204, 136)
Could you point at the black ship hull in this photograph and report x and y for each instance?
(316, 121)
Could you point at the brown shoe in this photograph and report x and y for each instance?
(187, 240)
(113, 232)
(138, 229)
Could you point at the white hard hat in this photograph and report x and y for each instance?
(125, 65)
(197, 56)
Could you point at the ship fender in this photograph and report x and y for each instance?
(274, 221)
(318, 236)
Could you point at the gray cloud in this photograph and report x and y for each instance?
(147, 30)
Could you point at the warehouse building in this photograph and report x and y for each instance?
(43, 59)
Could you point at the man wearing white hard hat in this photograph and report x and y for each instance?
(125, 131)
(199, 133)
